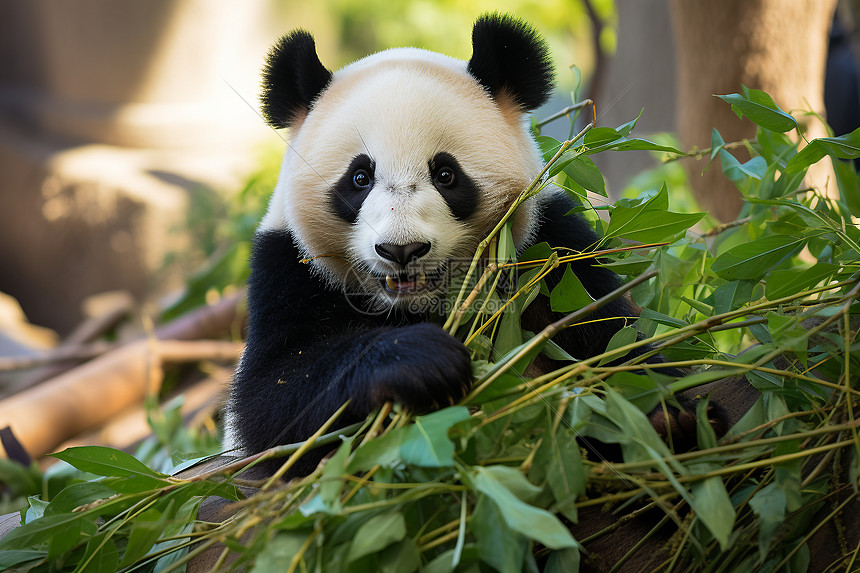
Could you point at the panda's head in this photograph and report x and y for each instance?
(404, 160)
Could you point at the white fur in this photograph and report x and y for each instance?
(401, 107)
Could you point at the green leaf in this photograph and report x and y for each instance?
(563, 561)
(625, 128)
(76, 495)
(533, 522)
(72, 537)
(331, 481)
(36, 509)
(782, 283)
(144, 533)
(769, 504)
(585, 173)
(566, 475)
(444, 562)
(787, 183)
(404, 557)
(549, 146)
(633, 265)
(569, 294)
(640, 390)
(509, 333)
(773, 146)
(182, 523)
(600, 136)
(101, 555)
(9, 559)
(787, 475)
(717, 144)
(714, 508)
(638, 144)
(660, 318)
(843, 147)
(605, 138)
(649, 226)
(40, 530)
(737, 171)
(760, 109)
(378, 532)
(500, 546)
(705, 435)
(787, 331)
(732, 295)
(426, 442)
(752, 260)
(278, 553)
(540, 251)
(848, 183)
(649, 221)
(555, 352)
(134, 483)
(506, 248)
(104, 461)
(624, 336)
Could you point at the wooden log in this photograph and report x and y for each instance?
(85, 397)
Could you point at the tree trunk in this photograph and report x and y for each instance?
(779, 46)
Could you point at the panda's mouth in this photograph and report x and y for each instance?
(413, 283)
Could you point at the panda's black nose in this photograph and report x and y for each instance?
(402, 254)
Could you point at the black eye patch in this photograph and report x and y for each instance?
(352, 188)
(458, 190)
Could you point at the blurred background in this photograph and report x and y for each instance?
(134, 164)
(124, 125)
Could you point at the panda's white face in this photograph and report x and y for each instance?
(403, 164)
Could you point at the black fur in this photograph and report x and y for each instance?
(293, 77)
(309, 349)
(346, 198)
(509, 57)
(463, 194)
(573, 232)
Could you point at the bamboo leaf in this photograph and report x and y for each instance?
(377, 533)
(760, 109)
(533, 522)
(500, 546)
(782, 283)
(714, 508)
(843, 147)
(755, 168)
(9, 559)
(769, 504)
(585, 173)
(649, 221)
(426, 442)
(569, 294)
(104, 461)
(752, 260)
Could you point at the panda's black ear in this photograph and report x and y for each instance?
(292, 78)
(509, 56)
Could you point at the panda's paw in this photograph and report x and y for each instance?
(679, 426)
(422, 368)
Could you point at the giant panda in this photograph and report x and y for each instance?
(398, 164)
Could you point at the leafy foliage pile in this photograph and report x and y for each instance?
(498, 479)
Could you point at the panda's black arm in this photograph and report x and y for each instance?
(308, 351)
